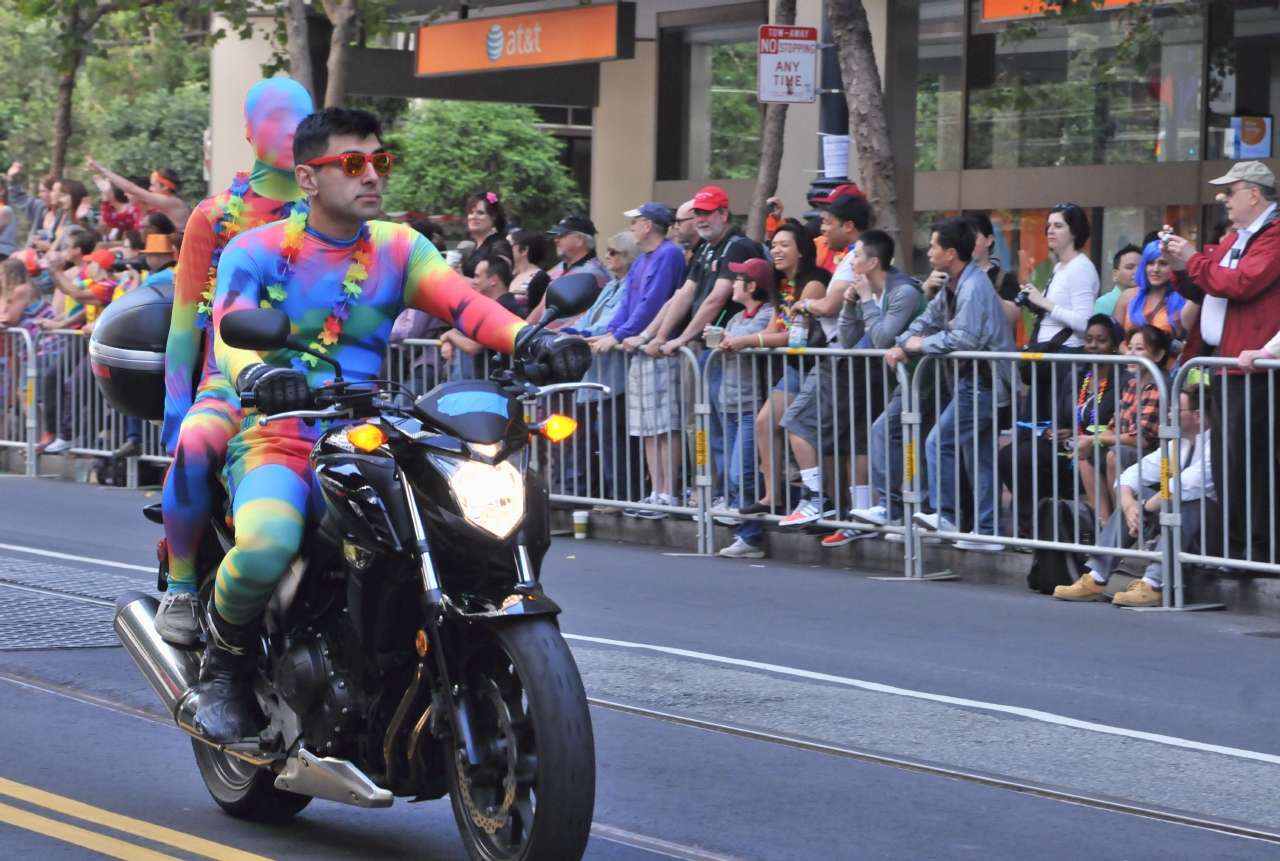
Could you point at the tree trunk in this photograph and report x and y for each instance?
(62, 122)
(296, 31)
(771, 139)
(868, 125)
(344, 16)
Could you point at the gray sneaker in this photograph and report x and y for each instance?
(178, 619)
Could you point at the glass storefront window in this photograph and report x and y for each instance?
(1125, 225)
(1085, 89)
(940, 85)
(734, 140)
(1244, 79)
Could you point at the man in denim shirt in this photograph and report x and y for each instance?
(966, 315)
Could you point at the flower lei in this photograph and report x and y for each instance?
(294, 228)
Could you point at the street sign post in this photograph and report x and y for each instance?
(787, 64)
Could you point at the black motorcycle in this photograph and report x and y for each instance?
(410, 650)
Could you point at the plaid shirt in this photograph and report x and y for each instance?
(1126, 419)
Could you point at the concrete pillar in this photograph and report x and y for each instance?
(235, 65)
(623, 151)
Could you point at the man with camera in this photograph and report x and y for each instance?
(1240, 284)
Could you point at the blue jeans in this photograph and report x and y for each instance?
(886, 457)
(743, 478)
(960, 426)
(715, 430)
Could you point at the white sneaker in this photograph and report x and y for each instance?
(635, 512)
(934, 522)
(58, 446)
(809, 510)
(878, 515)
(740, 549)
(980, 546)
(658, 499)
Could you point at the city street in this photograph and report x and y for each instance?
(743, 709)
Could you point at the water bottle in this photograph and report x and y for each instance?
(799, 333)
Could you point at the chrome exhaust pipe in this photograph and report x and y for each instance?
(171, 672)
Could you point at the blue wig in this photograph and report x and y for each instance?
(1174, 301)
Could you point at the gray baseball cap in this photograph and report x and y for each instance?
(1248, 171)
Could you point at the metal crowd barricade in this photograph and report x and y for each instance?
(1235, 528)
(19, 406)
(976, 383)
(845, 392)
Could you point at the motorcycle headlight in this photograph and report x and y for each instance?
(491, 497)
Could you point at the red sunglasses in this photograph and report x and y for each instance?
(353, 163)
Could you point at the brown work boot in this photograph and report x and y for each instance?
(1139, 594)
(1084, 589)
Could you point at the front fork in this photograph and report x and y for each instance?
(434, 612)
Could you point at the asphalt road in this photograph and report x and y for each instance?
(1169, 713)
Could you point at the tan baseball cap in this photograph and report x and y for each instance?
(1248, 171)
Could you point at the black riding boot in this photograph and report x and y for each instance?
(227, 711)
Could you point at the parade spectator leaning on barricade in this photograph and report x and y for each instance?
(652, 409)
(705, 299)
(1038, 464)
(682, 232)
(575, 240)
(966, 315)
(1139, 512)
(817, 421)
(487, 227)
(754, 288)
(1124, 268)
(799, 278)
(880, 303)
(1240, 312)
(1153, 300)
(598, 460)
(26, 307)
(161, 192)
(1135, 426)
(528, 250)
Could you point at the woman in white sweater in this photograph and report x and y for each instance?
(1073, 289)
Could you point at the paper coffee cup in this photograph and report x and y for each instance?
(713, 336)
(580, 521)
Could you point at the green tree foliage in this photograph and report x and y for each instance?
(735, 114)
(447, 151)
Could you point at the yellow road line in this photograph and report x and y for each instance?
(128, 825)
(79, 836)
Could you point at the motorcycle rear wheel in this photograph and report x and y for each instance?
(244, 790)
(524, 688)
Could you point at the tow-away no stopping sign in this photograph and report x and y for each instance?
(787, 64)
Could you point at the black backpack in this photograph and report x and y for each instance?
(1050, 568)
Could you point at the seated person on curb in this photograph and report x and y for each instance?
(1042, 443)
(966, 315)
(817, 420)
(345, 280)
(879, 304)
(1140, 510)
(1136, 422)
(754, 289)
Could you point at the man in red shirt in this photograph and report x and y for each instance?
(1241, 311)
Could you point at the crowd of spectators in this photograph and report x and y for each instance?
(797, 435)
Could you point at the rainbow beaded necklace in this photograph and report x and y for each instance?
(295, 227)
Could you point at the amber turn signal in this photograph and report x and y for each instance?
(421, 644)
(366, 437)
(558, 427)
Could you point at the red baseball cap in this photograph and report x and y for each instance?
(710, 199)
(759, 272)
(847, 188)
(102, 257)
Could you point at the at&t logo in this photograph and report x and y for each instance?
(520, 40)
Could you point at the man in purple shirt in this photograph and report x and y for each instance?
(653, 278)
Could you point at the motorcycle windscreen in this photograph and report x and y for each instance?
(476, 411)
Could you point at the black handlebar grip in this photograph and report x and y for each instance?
(247, 400)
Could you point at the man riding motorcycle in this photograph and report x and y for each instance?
(342, 280)
(200, 419)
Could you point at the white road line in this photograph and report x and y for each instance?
(52, 555)
(1031, 714)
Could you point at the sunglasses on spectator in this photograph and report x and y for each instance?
(682, 220)
(353, 163)
(1232, 189)
(613, 252)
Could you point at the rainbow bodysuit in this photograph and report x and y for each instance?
(273, 489)
(202, 411)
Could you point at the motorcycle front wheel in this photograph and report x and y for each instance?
(244, 790)
(532, 796)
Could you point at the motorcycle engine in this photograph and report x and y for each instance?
(319, 693)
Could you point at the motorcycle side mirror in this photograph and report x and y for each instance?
(570, 295)
(257, 329)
